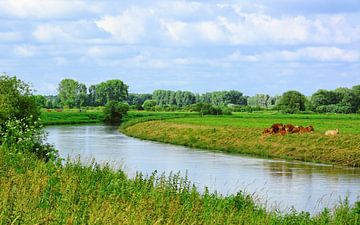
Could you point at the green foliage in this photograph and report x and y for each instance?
(223, 98)
(111, 90)
(16, 100)
(72, 93)
(114, 111)
(149, 105)
(22, 136)
(137, 100)
(208, 109)
(292, 102)
(341, 100)
(177, 98)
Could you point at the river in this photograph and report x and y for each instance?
(275, 183)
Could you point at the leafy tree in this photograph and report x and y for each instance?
(111, 90)
(224, 98)
(40, 101)
(16, 100)
(292, 102)
(114, 111)
(81, 95)
(260, 100)
(68, 91)
(149, 105)
(138, 100)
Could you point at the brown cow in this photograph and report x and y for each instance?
(289, 128)
(277, 127)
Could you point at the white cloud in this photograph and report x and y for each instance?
(324, 54)
(9, 36)
(41, 9)
(24, 51)
(316, 54)
(128, 27)
(48, 32)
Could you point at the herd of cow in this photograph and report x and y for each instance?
(279, 128)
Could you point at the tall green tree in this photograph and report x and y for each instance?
(68, 91)
(111, 90)
(292, 102)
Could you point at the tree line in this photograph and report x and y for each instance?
(73, 94)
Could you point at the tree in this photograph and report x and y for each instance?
(149, 105)
(16, 100)
(292, 102)
(111, 90)
(138, 100)
(114, 111)
(68, 91)
(260, 100)
(40, 101)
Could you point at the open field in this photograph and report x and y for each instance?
(35, 192)
(71, 117)
(241, 133)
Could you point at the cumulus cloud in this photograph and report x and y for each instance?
(41, 9)
(128, 27)
(315, 54)
(24, 51)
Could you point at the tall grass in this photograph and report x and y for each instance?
(35, 192)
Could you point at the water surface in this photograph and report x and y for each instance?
(277, 183)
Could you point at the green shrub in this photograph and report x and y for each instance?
(114, 111)
(20, 136)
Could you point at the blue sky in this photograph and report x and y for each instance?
(259, 46)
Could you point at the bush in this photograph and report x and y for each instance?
(149, 105)
(208, 109)
(114, 111)
(21, 136)
(292, 102)
(17, 101)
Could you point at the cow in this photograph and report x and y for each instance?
(289, 128)
(332, 132)
(277, 127)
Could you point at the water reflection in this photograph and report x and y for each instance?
(305, 186)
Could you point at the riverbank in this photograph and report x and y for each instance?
(34, 192)
(242, 134)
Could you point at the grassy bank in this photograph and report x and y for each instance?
(34, 192)
(71, 117)
(241, 133)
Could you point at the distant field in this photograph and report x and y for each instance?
(71, 117)
(347, 124)
(242, 133)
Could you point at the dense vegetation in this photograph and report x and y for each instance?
(74, 94)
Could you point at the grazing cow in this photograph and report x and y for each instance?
(289, 128)
(332, 132)
(296, 129)
(310, 128)
(277, 127)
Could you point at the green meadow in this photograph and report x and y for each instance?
(71, 117)
(242, 133)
